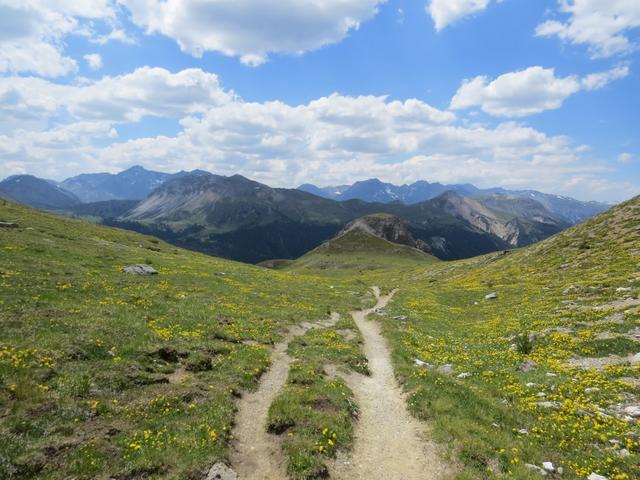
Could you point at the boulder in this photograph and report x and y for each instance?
(140, 269)
(221, 472)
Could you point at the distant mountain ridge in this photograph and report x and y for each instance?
(134, 183)
(565, 209)
(238, 218)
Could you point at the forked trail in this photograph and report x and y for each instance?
(389, 443)
(256, 454)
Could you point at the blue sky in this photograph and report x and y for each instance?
(512, 93)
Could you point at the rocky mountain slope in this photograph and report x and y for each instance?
(237, 218)
(386, 227)
(36, 192)
(564, 209)
(134, 183)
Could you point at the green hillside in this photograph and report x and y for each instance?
(570, 305)
(359, 252)
(108, 375)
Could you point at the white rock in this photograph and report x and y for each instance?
(548, 404)
(421, 364)
(464, 375)
(624, 289)
(635, 359)
(140, 269)
(591, 390)
(491, 296)
(523, 431)
(623, 453)
(221, 472)
(548, 466)
(445, 369)
(595, 476)
(633, 411)
(549, 374)
(536, 468)
(541, 394)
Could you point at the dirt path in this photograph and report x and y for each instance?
(390, 443)
(256, 454)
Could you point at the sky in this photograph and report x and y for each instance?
(515, 93)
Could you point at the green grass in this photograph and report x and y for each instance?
(107, 375)
(111, 375)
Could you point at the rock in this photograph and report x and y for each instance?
(421, 364)
(549, 374)
(221, 472)
(491, 296)
(8, 225)
(635, 360)
(633, 411)
(595, 476)
(140, 269)
(400, 317)
(548, 404)
(591, 390)
(623, 453)
(527, 366)
(529, 384)
(523, 431)
(536, 468)
(568, 290)
(541, 394)
(464, 375)
(624, 289)
(445, 369)
(548, 467)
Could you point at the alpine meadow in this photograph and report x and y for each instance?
(329, 239)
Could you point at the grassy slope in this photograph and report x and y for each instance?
(359, 252)
(86, 389)
(449, 322)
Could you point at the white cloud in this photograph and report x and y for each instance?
(625, 157)
(94, 61)
(121, 99)
(332, 139)
(527, 92)
(602, 25)
(446, 12)
(251, 29)
(32, 33)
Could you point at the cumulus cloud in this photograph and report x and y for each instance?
(121, 99)
(602, 25)
(251, 29)
(527, 92)
(59, 130)
(446, 12)
(32, 33)
(94, 61)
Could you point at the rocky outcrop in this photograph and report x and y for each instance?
(387, 227)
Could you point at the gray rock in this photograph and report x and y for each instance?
(633, 411)
(221, 472)
(491, 296)
(548, 404)
(8, 225)
(591, 390)
(536, 468)
(421, 364)
(595, 476)
(623, 453)
(635, 359)
(140, 269)
(624, 289)
(400, 317)
(445, 369)
(527, 366)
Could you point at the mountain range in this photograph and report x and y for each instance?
(235, 217)
(373, 190)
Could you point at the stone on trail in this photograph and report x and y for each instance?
(221, 472)
(140, 269)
